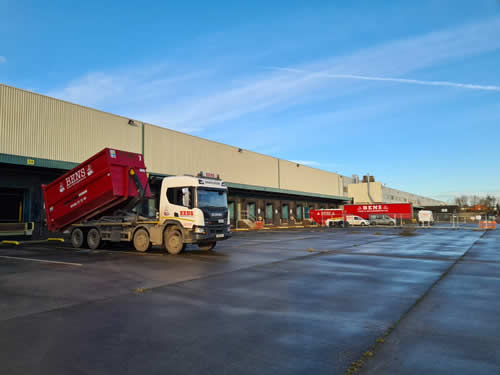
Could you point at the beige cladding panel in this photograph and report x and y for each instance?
(43, 127)
(312, 180)
(360, 192)
(170, 152)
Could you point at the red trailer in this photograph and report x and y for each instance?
(394, 210)
(108, 181)
(334, 216)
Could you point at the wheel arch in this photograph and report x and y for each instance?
(169, 223)
(142, 226)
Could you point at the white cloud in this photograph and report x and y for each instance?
(132, 92)
(398, 80)
(92, 89)
(3, 59)
(181, 100)
(281, 88)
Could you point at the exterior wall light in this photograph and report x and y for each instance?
(132, 123)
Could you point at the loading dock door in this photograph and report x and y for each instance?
(230, 206)
(251, 211)
(11, 205)
(284, 212)
(299, 212)
(269, 211)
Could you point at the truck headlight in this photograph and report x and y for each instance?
(200, 230)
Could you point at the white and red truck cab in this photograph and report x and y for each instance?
(199, 205)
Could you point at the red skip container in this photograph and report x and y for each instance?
(93, 188)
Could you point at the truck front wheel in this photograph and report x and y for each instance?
(141, 240)
(172, 238)
(207, 246)
(77, 238)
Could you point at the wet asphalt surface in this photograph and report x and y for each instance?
(261, 303)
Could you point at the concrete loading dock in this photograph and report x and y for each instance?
(262, 303)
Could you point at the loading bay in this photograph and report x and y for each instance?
(311, 301)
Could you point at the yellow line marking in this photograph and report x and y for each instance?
(42, 260)
(7, 242)
(176, 218)
(56, 239)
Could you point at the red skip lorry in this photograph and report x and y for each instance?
(96, 202)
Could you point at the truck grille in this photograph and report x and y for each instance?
(213, 227)
(215, 222)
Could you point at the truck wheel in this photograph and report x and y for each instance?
(77, 238)
(207, 246)
(172, 238)
(94, 238)
(141, 240)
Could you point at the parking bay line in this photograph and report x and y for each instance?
(42, 260)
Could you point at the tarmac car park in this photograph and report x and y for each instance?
(300, 301)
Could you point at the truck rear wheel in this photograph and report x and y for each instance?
(207, 246)
(94, 238)
(77, 238)
(141, 240)
(172, 238)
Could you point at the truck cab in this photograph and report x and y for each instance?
(198, 205)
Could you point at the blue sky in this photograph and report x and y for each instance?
(406, 91)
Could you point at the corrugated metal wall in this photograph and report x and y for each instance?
(397, 196)
(38, 126)
(304, 178)
(43, 127)
(171, 152)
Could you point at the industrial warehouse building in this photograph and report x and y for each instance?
(42, 137)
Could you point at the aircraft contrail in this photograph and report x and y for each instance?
(398, 80)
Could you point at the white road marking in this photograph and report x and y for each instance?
(42, 260)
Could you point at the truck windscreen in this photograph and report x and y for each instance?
(212, 198)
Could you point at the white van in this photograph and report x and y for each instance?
(356, 220)
(425, 217)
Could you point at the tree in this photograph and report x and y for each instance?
(488, 201)
(474, 199)
(462, 201)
